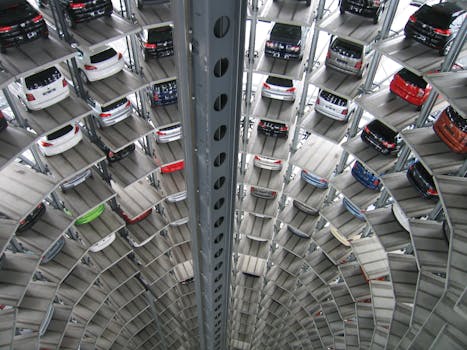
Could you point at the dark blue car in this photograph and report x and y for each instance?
(162, 94)
(353, 209)
(365, 177)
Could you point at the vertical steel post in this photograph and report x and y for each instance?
(210, 62)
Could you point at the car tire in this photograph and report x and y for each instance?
(84, 77)
(69, 22)
(445, 50)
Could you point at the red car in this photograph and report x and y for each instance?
(3, 122)
(410, 87)
(180, 165)
(129, 220)
(452, 130)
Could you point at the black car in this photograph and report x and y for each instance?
(380, 137)
(156, 42)
(308, 2)
(20, 23)
(421, 179)
(77, 11)
(3, 122)
(285, 41)
(116, 156)
(270, 128)
(364, 8)
(436, 26)
(29, 220)
(162, 94)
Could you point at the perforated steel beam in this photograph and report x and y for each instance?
(209, 36)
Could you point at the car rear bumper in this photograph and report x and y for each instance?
(63, 147)
(330, 112)
(114, 119)
(346, 69)
(88, 14)
(47, 101)
(375, 144)
(435, 42)
(103, 73)
(456, 145)
(403, 93)
(282, 54)
(278, 95)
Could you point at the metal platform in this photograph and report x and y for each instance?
(172, 183)
(13, 142)
(322, 266)
(259, 206)
(159, 70)
(176, 211)
(302, 191)
(269, 146)
(346, 86)
(138, 197)
(453, 87)
(295, 13)
(132, 168)
(111, 255)
(433, 153)
(77, 159)
(353, 190)
(55, 332)
(154, 15)
(297, 219)
(264, 178)
(145, 231)
(328, 128)
(355, 281)
(334, 249)
(165, 115)
(170, 152)
(7, 229)
(404, 273)
(272, 109)
(257, 227)
(87, 195)
(107, 223)
(372, 257)
(124, 133)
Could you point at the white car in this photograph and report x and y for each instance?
(61, 140)
(98, 64)
(42, 89)
(333, 106)
(177, 197)
(103, 243)
(179, 222)
(267, 163)
(111, 113)
(278, 89)
(169, 133)
(400, 216)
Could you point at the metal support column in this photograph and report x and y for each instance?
(152, 306)
(210, 62)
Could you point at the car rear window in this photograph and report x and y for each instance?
(279, 81)
(103, 56)
(286, 32)
(60, 132)
(424, 173)
(114, 105)
(43, 78)
(347, 48)
(13, 13)
(435, 17)
(159, 34)
(412, 78)
(333, 98)
(381, 129)
(456, 118)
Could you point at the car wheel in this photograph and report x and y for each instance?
(83, 76)
(69, 22)
(445, 50)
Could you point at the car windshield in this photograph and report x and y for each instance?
(114, 105)
(103, 56)
(159, 34)
(286, 32)
(412, 78)
(347, 48)
(60, 132)
(434, 16)
(43, 78)
(279, 81)
(11, 12)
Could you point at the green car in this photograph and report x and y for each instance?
(90, 215)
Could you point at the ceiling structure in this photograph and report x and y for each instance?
(265, 275)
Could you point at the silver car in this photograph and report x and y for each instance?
(263, 193)
(267, 163)
(75, 181)
(169, 133)
(111, 113)
(332, 106)
(279, 89)
(348, 57)
(307, 209)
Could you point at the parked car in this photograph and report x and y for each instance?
(400, 216)
(297, 232)
(410, 87)
(267, 163)
(313, 179)
(133, 220)
(32, 218)
(46, 320)
(436, 26)
(53, 251)
(333, 106)
(20, 23)
(353, 209)
(179, 222)
(172, 167)
(103, 243)
(78, 11)
(3, 122)
(162, 94)
(91, 215)
(451, 128)
(169, 133)
(285, 41)
(177, 197)
(156, 42)
(116, 156)
(421, 179)
(275, 129)
(76, 180)
(348, 57)
(278, 89)
(99, 63)
(263, 193)
(381, 137)
(111, 113)
(307, 209)
(42, 89)
(364, 8)
(365, 177)
(61, 140)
